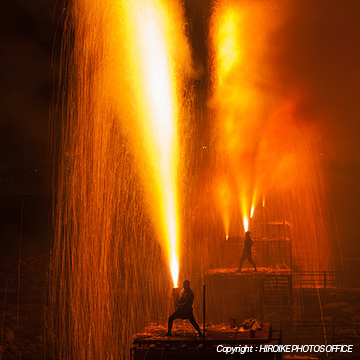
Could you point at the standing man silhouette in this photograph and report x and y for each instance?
(248, 243)
(184, 309)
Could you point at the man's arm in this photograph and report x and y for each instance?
(186, 299)
(250, 241)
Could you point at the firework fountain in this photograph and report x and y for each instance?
(135, 204)
(124, 71)
(263, 148)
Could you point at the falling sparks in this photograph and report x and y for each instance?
(120, 179)
(232, 95)
(117, 192)
(224, 199)
(261, 145)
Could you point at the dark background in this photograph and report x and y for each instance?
(26, 91)
(317, 51)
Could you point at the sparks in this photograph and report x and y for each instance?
(252, 211)
(175, 270)
(246, 223)
(158, 124)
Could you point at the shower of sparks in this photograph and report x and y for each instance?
(157, 89)
(259, 140)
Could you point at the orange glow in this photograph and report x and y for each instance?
(157, 84)
(252, 211)
(224, 201)
(253, 204)
(229, 51)
(175, 270)
(244, 207)
(123, 71)
(261, 139)
(246, 223)
(128, 164)
(235, 96)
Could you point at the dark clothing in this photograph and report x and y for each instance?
(247, 255)
(184, 305)
(184, 310)
(248, 243)
(180, 315)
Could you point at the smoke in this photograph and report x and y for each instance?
(316, 55)
(309, 51)
(288, 105)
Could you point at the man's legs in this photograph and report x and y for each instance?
(172, 317)
(251, 261)
(243, 257)
(194, 324)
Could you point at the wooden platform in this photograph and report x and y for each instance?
(152, 342)
(185, 333)
(248, 294)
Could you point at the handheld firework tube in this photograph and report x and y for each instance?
(175, 294)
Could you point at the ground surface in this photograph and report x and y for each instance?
(22, 307)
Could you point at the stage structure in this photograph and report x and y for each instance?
(151, 343)
(272, 248)
(266, 294)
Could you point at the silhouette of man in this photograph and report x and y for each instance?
(248, 243)
(184, 308)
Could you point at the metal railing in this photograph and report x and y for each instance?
(319, 279)
(331, 331)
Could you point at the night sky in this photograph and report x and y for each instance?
(316, 53)
(27, 33)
